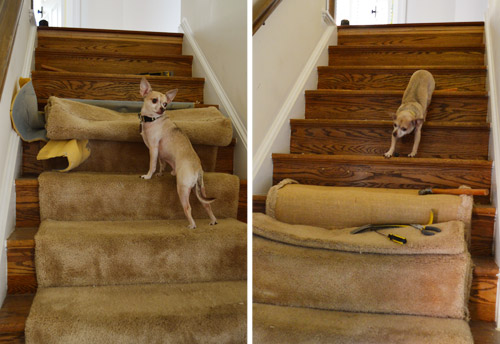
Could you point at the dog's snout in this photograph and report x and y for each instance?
(395, 134)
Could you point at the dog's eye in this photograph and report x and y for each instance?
(395, 125)
(165, 105)
(154, 100)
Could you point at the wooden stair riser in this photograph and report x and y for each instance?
(435, 35)
(397, 79)
(394, 173)
(483, 294)
(360, 105)
(404, 56)
(111, 86)
(408, 38)
(374, 138)
(117, 42)
(129, 154)
(179, 65)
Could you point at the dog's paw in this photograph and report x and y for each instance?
(388, 155)
(145, 177)
(213, 223)
(412, 155)
(159, 174)
(193, 226)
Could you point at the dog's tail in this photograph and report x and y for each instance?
(200, 190)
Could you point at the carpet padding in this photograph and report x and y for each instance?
(276, 325)
(76, 253)
(85, 196)
(155, 313)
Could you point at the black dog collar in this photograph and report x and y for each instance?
(147, 119)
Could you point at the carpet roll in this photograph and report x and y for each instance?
(276, 325)
(86, 196)
(426, 284)
(77, 253)
(341, 207)
(154, 313)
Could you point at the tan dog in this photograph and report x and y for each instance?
(413, 110)
(168, 144)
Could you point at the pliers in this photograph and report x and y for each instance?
(426, 229)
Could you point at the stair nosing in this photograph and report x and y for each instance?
(406, 67)
(419, 48)
(386, 123)
(107, 76)
(106, 54)
(439, 93)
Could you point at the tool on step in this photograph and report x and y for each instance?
(426, 229)
(472, 192)
(393, 237)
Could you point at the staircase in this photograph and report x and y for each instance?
(119, 264)
(347, 129)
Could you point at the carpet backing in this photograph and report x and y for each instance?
(77, 253)
(276, 325)
(153, 313)
(85, 196)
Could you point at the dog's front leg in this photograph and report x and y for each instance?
(153, 158)
(389, 153)
(416, 142)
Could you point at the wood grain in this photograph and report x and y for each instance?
(344, 55)
(27, 207)
(380, 105)
(484, 289)
(370, 171)
(459, 78)
(111, 86)
(259, 204)
(81, 62)
(242, 203)
(351, 137)
(110, 41)
(10, 12)
(13, 314)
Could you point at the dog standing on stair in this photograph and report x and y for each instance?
(168, 144)
(413, 110)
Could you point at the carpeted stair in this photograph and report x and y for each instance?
(114, 259)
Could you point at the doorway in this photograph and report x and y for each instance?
(366, 12)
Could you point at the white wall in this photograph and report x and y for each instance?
(281, 50)
(143, 15)
(432, 11)
(10, 155)
(219, 29)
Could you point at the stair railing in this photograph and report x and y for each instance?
(10, 12)
(261, 11)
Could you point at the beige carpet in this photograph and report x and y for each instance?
(85, 196)
(155, 313)
(76, 253)
(277, 325)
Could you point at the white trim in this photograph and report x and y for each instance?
(495, 133)
(212, 77)
(264, 151)
(30, 50)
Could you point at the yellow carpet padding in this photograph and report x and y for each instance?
(75, 151)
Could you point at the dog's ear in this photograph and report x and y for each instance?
(171, 95)
(393, 115)
(145, 87)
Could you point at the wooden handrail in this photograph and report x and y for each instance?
(261, 11)
(10, 12)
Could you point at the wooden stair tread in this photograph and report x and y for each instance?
(60, 31)
(382, 93)
(111, 86)
(415, 26)
(385, 123)
(411, 48)
(432, 68)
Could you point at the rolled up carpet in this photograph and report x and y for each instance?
(329, 269)
(67, 119)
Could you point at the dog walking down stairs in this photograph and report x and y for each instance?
(114, 259)
(324, 286)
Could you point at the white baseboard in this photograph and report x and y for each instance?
(495, 143)
(265, 149)
(231, 112)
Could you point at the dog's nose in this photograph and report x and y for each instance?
(165, 105)
(395, 134)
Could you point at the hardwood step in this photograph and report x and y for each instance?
(380, 105)
(458, 78)
(110, 63)
(111, 86)
(482, 227)
(439, 34)
(370, 137)
(344, 55)
(483, 295)
(110, 41)
(32, 166)
(373, 171)
(16, 308)
(21, 275)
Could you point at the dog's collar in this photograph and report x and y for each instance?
(148, 119)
